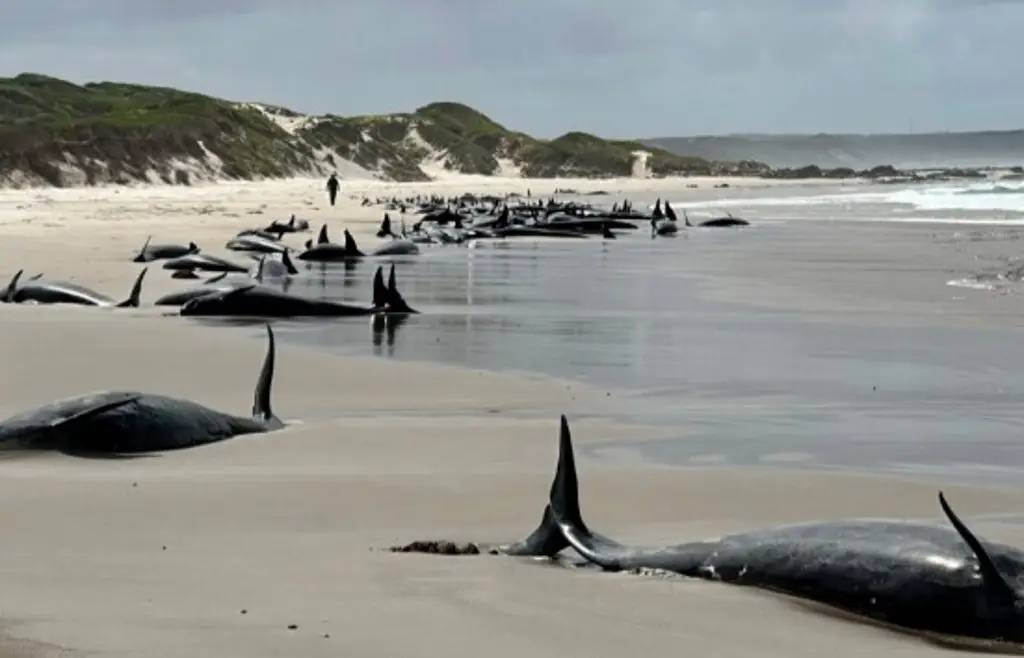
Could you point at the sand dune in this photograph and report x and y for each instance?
(217, 551)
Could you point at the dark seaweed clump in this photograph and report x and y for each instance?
(438, 547)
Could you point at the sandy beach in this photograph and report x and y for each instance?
(273, 545)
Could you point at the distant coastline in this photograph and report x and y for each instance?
(947, 150)
(55, 133)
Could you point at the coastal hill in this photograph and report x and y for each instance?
(903, 151)
(54, 132)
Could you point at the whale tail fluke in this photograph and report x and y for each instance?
(261, 407)
(136, 293)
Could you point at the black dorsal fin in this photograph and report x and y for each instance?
(351, 248)
(261, 397)
(12, 286)
(380, 291)
(994, 581)
(136, 291)
(565, 496)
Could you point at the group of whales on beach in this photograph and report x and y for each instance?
(241, 290)
(942, 582)
(461, 219)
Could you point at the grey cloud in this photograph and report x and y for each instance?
(647, 67)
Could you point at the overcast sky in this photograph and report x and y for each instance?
(622, 68)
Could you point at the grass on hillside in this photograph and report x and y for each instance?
(130, 128)
(44, 119)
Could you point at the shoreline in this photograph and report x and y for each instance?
(270, 545)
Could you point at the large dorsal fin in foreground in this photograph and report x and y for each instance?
(565, 488)
(994, 581)
(561, 525)
(261, 397)
(565, 508)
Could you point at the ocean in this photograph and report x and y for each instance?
(732, 384)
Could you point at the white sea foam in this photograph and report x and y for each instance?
(1001, 197)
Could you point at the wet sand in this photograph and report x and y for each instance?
(217, 551)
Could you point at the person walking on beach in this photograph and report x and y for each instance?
(332, 188)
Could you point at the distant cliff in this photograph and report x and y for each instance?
(54, 132)
(910, 151)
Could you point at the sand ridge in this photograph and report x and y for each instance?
(218, 551)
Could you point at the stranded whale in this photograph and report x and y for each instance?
(151, 252)
(939, 581)
(325, 251)
(184, 267)
(125, 422)
(255, 300)
(43, 291)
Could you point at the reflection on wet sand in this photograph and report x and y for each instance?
(734, 383)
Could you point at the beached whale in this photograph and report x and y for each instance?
(718, 222)
(265, 268)
(219, 283)
(259, 301)
(271, 268)
(126, 422)
(293, 225)
(255, 243)
(45, 291)
(184, 267)
(151, 252)
(331, 252)
(939, 581)
(258, 232)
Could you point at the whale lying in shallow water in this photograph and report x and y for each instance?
(254, 300)
(939, 581)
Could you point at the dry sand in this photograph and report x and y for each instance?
(216, 551)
